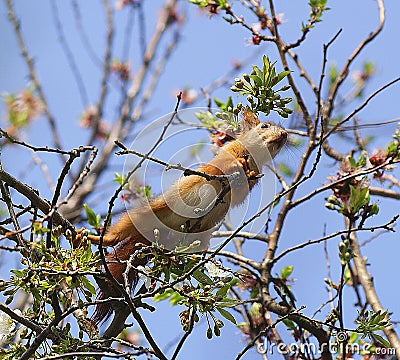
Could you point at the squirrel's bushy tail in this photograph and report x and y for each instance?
(117, 264)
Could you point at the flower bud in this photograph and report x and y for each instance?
(330, 206)
(217, 331)
(333, 200)
(342, 247)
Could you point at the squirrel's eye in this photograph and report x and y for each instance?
(265, 126)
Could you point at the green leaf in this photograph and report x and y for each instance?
(88, 285)
(219, 103)
(358, 198)
(19, 273)
(256, 79)
(229, 103)
(352, 162)
(284, 169)
(200, 3)
(223, 291)
(227, 315)
(254, 292)
(280, 77)
(374, 209)
(286, 271)
(119, 178)
(383, 341)
(391, 148)
(162, 296)
(289, 324)
(353, 337)
(362, 160)
(228, 302)
(202, 278)
(257, 71)
(175, 298)
(90, 214)
(333, 73)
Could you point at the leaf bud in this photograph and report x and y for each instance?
(374, 209)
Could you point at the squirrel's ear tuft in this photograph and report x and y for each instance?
(250, 120)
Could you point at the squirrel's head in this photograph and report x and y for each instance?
(258, 135)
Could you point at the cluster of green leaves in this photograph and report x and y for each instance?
(199, 293)
(22, 107)
(370, 322)
(261, 97)
(47, 270)
(259, 88)
(318, 7)
(228, 114)
(208, 120)
(217, 4)
(48, 274)
(356, 205)
(352, 198)
(357, 344)
(393, 148)
(131, 189)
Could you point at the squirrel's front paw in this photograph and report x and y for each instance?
(83, 236)
(243, 163)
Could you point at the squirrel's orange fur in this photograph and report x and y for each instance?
(193, 202)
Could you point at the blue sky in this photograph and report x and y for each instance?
(205, 52)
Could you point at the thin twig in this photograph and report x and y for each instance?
(32, 73)
(345, 71)
(387, 227)
(69, 54)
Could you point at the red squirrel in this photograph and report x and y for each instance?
(194, 206)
